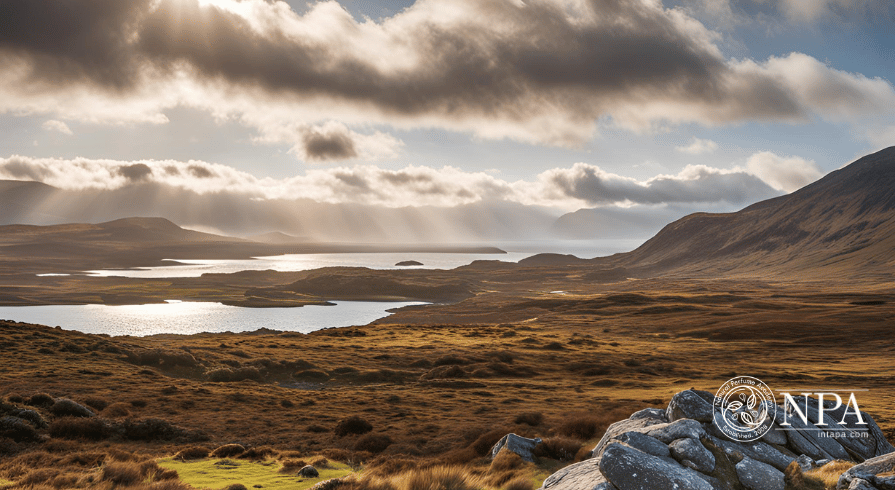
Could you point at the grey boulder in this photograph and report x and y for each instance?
(631, 469)
(755, 475)
(679, 429)
(692, 454)
(579, 476)
(689, 404)
(516, 444)
(867, 470)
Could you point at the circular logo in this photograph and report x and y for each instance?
(744, 408)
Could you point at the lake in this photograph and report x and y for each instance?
(196, 317)
(516, 251)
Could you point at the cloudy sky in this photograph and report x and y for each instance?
(622, 104)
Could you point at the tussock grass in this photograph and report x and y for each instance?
(219, 473)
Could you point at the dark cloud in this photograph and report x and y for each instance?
(328, 146)
(519, 64)
(694, 185)
(200, 172)
(135, 172)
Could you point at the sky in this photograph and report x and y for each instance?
(625, 106)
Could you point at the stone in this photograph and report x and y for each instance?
(645, 443)
(804, 439)
(885, 482)
(867, 470)
(689, 405)
(650, 413)
(805, 463)
(758, 451)
(517, 444)
(640, 421)
(679, 429)
(775, 435)
(861, 484)
(692, 451)
(579, 476)
(308, 471)
(631, 469)
(822, 462)
(755, 475)
(17, 429)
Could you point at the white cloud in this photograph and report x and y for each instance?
(581, 185)
(54, 125)
(785, 174)
(698, 146)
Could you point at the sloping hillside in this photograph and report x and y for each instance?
(842, 224)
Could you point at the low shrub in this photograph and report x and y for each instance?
(483, 444)
(41, 400)
(79, 428)
(352, 425)
(505, 461)
(68, 408)
(123, 473)
(116, 410)
(439, 478)
(193, 452)
(228, 451)
(445, 372)
(316, 428)
(519, 483)
(17, 430)
(258, 453)
(529, 418)
(582, 426)
(558, 448)
(373, 443)
(450, 360)
(150, 429)
(96, 403)
(292, 465)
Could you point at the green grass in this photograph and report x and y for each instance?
(219, 473)
(5, 483)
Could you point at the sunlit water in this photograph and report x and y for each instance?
(516, 251)
(190, 318)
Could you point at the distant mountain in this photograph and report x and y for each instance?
(35, 203)
(277, 238)
(842, 224)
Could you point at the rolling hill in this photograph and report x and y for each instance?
(842, 224)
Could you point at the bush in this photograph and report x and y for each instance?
(258, 453)
(228, 451)
(316, 428)
(445, 372)
(529, 418)
(520, 483)
(352, 425)
(440, 478)
(194, 452)
(583, 426)
(96, 403)
(450, 360)
(292, 465)
(311, 375)
(236, 486)
(16, 429)
(505, 461)
(79, 428)
(67, 408)
(125, 474)
(150, 429)
(41, 400)
(373, 443)
(483, 444)
(116, 410)
(558, 448)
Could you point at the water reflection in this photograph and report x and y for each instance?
(193, 317)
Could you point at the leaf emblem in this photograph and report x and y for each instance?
(734, 406)
(752, 401)
(747, 418)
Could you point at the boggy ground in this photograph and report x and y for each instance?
(440, 384)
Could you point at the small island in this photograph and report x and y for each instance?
(408, 263)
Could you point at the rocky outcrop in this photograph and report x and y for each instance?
(681, 447)
(516, 444)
